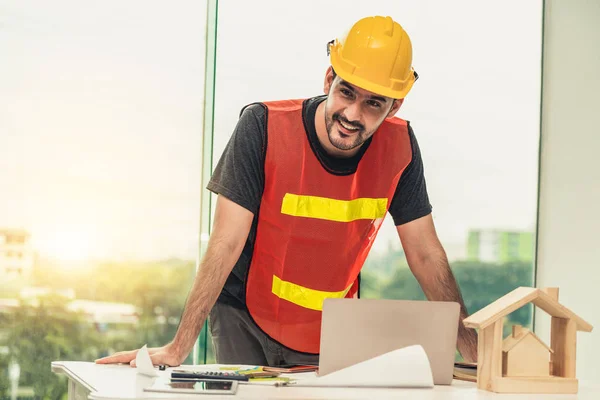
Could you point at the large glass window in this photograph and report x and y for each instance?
(101, 118)
(474, 110)
(101, 114)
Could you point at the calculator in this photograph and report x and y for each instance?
(230, 376)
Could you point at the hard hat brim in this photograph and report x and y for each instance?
(368, 85)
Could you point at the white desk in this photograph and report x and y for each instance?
(111, 382)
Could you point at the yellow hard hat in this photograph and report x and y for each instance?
(375, 55)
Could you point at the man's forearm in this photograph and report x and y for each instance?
(439, 284)
(210, 278)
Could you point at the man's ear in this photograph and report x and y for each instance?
(395, 107)
(328, 80)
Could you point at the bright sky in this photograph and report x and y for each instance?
(100, 125)
(101, 110)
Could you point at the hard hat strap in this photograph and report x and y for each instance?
(329, 44)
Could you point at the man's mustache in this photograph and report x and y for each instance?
(339, 117)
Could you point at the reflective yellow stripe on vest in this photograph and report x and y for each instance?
(302, 296)
(333, 209)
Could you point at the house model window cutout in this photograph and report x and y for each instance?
(522, 363)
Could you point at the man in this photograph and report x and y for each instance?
(303, 189)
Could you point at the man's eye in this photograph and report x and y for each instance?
(374, 104)
(346, 92)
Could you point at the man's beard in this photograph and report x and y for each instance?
(340, 143)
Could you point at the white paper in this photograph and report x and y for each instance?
(406, 367)
(144, 363)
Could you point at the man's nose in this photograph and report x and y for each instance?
(352, 113)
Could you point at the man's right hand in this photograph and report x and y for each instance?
(165, 355)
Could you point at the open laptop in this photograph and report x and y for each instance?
(355, 330)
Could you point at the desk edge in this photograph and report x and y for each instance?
(59, 368)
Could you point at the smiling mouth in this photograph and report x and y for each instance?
(346, 129)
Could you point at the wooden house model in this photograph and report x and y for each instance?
(523, 363)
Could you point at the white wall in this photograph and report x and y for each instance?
(569, 221)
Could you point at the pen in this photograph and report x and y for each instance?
(286, 383)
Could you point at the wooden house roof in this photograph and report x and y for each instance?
(518, 298)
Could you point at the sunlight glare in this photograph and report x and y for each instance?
(69, 246)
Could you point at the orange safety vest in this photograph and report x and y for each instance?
(315, 229)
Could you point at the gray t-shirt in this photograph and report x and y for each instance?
(240, 177)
